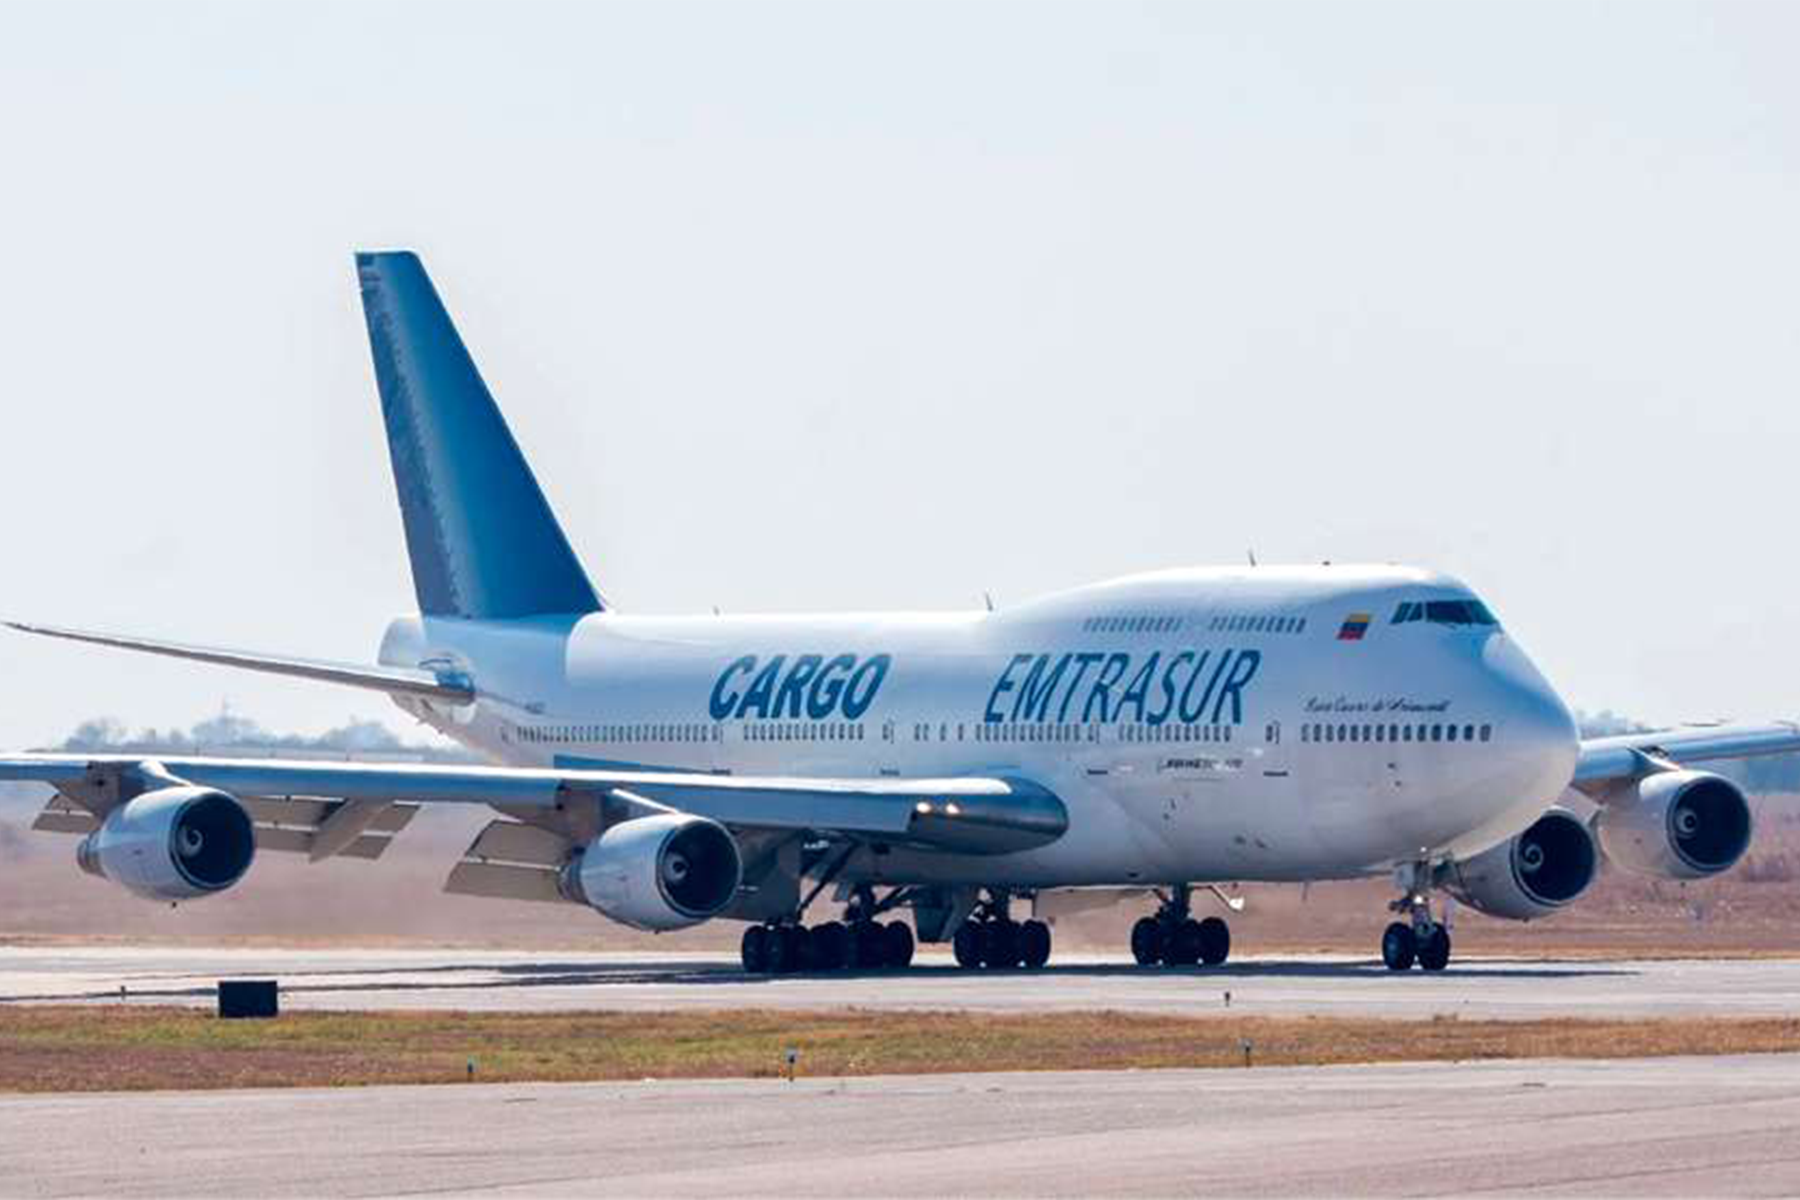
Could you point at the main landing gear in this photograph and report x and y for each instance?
(1421, 938)
(1174, 938)
(991, 938)
(857, 943)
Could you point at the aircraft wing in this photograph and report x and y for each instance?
(1633, 754)
(966, 814)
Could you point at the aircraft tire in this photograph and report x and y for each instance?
(1184, 944)
(1147, 942)
(1002, 946)
(831, 946)
(966, 945)
(896, 945)
(754, 949)
(1434, 951)
(1215, 941)
(780, 958)
(1034, 944)
(1399, 948)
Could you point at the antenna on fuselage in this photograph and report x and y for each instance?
(1252, 553)
(989, 598)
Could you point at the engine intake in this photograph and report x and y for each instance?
(1675, 825)
(175, 843)
(1531, 874)
(658, 873)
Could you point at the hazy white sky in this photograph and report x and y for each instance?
(855, 305)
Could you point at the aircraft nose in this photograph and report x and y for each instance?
(1537, 730)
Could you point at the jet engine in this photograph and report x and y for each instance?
(1531, 874)
(661, 872)
(174, 843)
(1675, 825)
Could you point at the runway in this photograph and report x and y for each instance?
(471, 979)
(1666, 1126)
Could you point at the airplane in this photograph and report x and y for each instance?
(1165, 734)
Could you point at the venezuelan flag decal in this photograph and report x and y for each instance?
(1355, 625)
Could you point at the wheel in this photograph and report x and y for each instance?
(1184, 945)
(867, 952)
(1147, 941)
(755, 949)
(1434, 950)
(1399, 947)
(831, 946)
(1034, 944)
(783, 952)
(896, 944)
(1002, 945)
(1215, 941)
(806, 950)
(966, 945)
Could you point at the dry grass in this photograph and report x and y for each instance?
(69, 1048)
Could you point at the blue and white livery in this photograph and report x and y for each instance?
(1166, 733)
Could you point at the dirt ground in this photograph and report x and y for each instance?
(1753, 909)
(109, 1049)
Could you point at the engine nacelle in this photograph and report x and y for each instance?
(1531, 874)
(662, 872)
(175, 843)
(1675, 825)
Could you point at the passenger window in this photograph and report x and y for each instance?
(1487, 731)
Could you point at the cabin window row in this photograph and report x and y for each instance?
(1435, 732)
(802, 731)
(650, 731)
(1147, 624)
(1256, 624)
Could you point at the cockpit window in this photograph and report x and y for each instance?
(1444, 612)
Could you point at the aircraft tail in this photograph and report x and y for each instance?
(481, 536)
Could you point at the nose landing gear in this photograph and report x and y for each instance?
(1421, 938)
(1174, 938)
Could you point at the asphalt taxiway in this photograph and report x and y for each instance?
(492, 980)
(1680, 1126)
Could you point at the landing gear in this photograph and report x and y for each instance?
(1174, 938)
(1422, 938)
(755, 949)
(991, 938)
(1399, 948)
(859, 943)
(1434, 950)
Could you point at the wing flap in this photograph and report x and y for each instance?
(65, 822)
(497, 881)
(515, 842)
(301, 841)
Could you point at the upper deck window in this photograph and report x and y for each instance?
(1444, 612)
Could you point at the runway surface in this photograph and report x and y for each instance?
(1711, 1126)
(464, 979)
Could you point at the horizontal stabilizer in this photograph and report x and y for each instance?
(395, 681)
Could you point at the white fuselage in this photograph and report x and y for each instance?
(1199, 725)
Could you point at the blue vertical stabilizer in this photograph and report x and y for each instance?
(482, 538)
